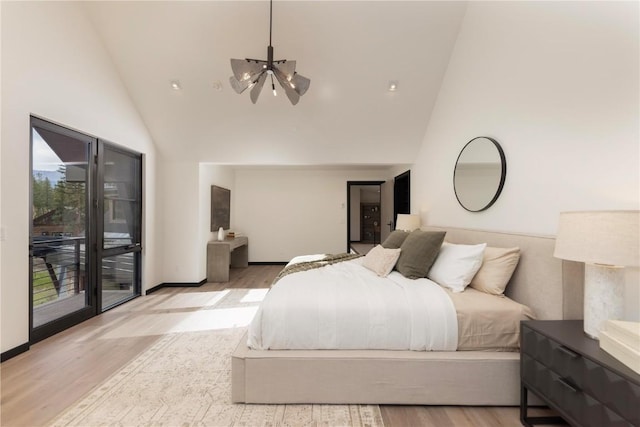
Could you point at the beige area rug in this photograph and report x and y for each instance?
(185, 380)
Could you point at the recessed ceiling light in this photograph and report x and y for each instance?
(393, 85)
(175, 84)
(217, 85)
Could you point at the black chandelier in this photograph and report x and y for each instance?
(252, 73)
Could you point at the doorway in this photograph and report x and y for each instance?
(85, 236)
(363, 215)
(380, 202)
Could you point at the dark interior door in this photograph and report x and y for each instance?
(402, 194)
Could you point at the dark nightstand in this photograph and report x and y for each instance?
(570, 373)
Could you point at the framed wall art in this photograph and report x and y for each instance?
(220, 208)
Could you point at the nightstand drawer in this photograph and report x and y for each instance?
(612, 390)
(577, 405)
(611, 419)
(562, 360)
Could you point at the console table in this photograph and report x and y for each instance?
(222, 254)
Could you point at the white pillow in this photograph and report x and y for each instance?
(456, 265)
(380, 260)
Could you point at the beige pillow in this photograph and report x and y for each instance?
(497, 268)
(419, 251)
(380, 260)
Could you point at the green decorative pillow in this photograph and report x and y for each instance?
(418, 253)
(395, 239)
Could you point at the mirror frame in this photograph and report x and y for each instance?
(503, 174)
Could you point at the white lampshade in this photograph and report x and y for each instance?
(604, 241)
(599, 237)
(407, 222)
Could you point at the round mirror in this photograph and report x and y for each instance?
(479, 174)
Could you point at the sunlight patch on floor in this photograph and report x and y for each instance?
(165, 323)
(223, 318)
(192, 300)
(255, 295)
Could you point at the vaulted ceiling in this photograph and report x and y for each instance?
(349, 49)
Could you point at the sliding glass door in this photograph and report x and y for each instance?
(85, 240)
(61, 266)
(120, 227)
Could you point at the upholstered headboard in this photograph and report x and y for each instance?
(553, 288)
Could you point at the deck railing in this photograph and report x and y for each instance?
(58, 268)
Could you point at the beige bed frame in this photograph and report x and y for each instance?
(551, 287)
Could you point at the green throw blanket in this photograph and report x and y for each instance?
(310, 265)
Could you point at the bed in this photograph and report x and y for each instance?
(550, 287)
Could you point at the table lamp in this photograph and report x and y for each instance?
(606, 241)
(407, 222)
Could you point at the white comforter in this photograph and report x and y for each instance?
(346, 306)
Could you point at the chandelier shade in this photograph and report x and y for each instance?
(252, 73)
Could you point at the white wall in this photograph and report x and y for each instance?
(186, 188)
(2, 229)
(293, 211)
(285, 211)
(54, 66)
(2, 232)
(181, 228)
(556, 84)
(222, 176)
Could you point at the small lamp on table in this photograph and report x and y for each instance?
(606, 241)
(407, 222)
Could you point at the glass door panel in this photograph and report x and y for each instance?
(121, 222)
(60, 214)
(120, 171)
(119, 283)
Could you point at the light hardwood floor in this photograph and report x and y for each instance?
(39, 384)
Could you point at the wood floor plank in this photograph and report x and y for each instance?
(38, 385)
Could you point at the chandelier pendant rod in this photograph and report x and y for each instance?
(270, 48)
(270, 19)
